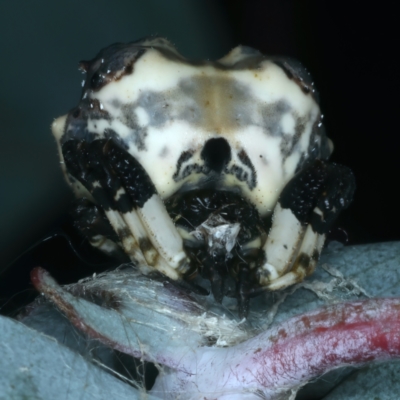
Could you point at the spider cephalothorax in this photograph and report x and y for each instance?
(184, 163)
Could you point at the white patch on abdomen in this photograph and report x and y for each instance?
(143, 118)
(287, 123)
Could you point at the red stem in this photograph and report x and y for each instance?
(311, 344)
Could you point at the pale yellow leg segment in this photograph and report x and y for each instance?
(291, 251)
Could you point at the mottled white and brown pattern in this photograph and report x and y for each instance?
(245, 124)
(167, 108)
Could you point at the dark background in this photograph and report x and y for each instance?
(351, 52)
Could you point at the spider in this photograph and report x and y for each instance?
(203, 170)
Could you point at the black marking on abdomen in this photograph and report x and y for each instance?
(189, 169)
(240, 174)
(185, 155)
(244, 158)
(216, 154)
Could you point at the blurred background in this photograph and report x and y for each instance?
(349, 51)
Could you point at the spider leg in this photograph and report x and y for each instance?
(152, 212)
(306, 210)
(84, 162)
(92, 223)
(122, 188)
